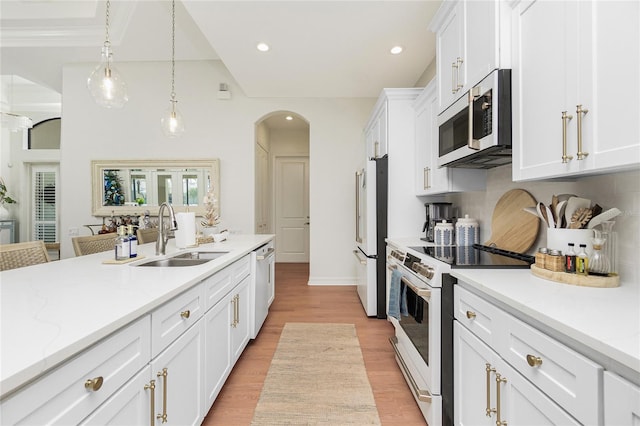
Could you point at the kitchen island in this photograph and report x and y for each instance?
(52, 313)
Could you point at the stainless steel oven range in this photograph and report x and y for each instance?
(417, 338)
(423, 341)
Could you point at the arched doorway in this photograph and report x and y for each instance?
(282, 183)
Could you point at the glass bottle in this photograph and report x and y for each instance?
(570, 260)
(598, 262)
(133, 241)
(610, 245)
(122, 245)
(582, 261)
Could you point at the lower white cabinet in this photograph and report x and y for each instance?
(241, 318)
(72, 391)
(130, 405)
(621, 401)
(489, 391)
(217, 358)
(179, 375)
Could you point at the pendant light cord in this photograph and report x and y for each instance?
(173, 51)
(106, 31)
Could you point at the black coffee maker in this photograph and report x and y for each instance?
(436, 212)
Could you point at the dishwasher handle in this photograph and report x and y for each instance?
(269, 252)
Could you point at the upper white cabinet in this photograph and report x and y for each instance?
(575, 87)
(429, 178)
(376, 133)
(468, 45)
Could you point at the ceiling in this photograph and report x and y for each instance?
(318, 48)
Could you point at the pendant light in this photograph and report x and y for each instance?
(172, 121)
(105, 83)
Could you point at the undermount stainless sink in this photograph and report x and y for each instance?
(208, 255)
(174, 262)
(190, 258)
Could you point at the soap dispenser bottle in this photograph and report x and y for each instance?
(122, 245)
(133, 241)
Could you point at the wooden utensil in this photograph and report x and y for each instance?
(542, 211)
(512, 228)
(580, 218)
(573, 204)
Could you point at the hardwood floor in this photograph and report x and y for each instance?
(297, 302)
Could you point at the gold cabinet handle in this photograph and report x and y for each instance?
(534, 361)
(185, 314)
(499, 379)
(579, 113)
(163, 416)
(565, 120)
(489, 370)
(234, 301)
(454, 84)
(471, 314)
(152, 386)
(94, 384)
(459, 62)
(426, 182)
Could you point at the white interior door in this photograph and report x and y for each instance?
(292, 209)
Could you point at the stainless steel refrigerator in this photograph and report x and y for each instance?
(371, 231)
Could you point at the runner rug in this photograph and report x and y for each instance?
(317, 377)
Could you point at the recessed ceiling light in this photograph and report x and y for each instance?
(396, 50)
(288, 117)
(263, 47)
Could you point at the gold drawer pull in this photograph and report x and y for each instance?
(471, 314)
(94, 384)
(152, 386)
(185, 314)
(534, 361)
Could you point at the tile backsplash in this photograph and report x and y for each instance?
(621, 190)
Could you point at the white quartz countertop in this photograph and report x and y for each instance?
(50, 312)
(601, 323)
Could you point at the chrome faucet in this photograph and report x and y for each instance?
(163, 234)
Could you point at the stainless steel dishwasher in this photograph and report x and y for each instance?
(264, 285)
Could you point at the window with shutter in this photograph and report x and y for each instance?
(45, 212)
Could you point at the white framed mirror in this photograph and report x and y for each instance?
(129, 187)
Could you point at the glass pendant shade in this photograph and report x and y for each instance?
(172, 121)
(106, 84)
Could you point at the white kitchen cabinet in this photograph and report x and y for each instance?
(575, 87)
(179, 375)
(621, 401)
(217, 355)
(130, 405)
(72, 391)
(169, 321)
(429, 178)
(489, 391)
(241, 318)
(544, 377)
(470, 43)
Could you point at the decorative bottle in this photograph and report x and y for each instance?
(133, 241)
(598, 262)
(582, 261)
(122, 245)
(570, 260)
(610, 245)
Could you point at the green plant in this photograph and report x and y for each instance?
(4, 198)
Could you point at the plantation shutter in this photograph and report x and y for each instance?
(45, 212)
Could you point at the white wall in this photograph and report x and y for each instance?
(221, 129)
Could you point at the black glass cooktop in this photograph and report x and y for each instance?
(477, 256)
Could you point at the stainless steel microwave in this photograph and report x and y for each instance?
(475, 131)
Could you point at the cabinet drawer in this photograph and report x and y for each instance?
(570, 379)
(61, 396)
(173, 318)
(216, 286)
(241, 268)
(480, 317)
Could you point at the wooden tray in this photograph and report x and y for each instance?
(123, 261)
(574, 279)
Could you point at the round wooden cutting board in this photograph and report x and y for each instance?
(511, 227)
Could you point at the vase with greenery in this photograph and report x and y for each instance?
(4, 199)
